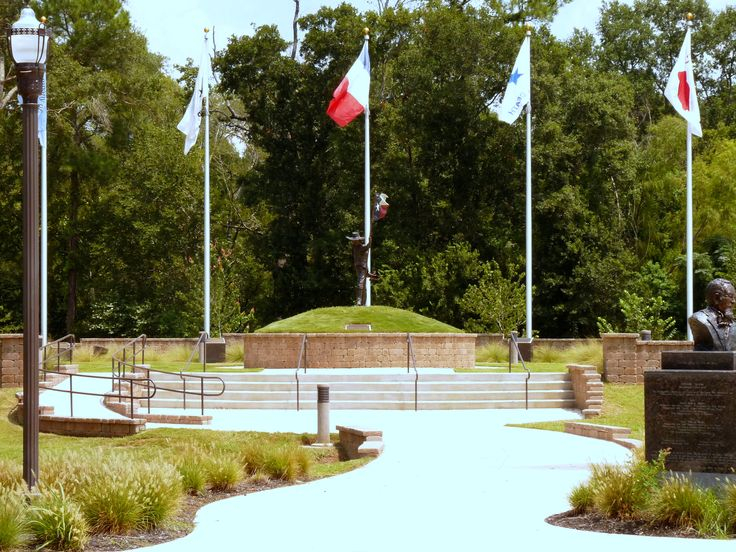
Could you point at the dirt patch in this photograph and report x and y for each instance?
(599, 524)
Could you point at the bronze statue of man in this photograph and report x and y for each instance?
(713, 327)
(360, 261)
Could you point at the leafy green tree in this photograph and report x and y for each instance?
(497, 302)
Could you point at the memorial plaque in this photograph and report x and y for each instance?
(698, 360)
(692, 413)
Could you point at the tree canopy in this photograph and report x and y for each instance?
(608, 166)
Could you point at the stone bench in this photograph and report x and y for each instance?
(359, 443)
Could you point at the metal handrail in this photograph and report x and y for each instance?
(203, 337)
(56, 356)
(302, 354)
(410, 354)
(184, 391)
(149, 385)
(523, 364)
(134, 367)
(138, 345)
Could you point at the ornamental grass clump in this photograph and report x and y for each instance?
(581, 498)
(57, 522)
(110, 500)
(192, 468)
(224, 472)
(286, 462)
(158, 491)
(13, 520)
(11, 475)
(681, 503)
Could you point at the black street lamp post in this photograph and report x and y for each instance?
(28, 42)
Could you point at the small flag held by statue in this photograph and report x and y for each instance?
(380, 208)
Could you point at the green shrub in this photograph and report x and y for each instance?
(57, 522)
(223, 472)
(681, 503)
(65, 470)
(581, 498)
(159, 492)
(110, 499)
(13, 523)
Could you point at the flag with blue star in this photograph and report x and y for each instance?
(518, 90)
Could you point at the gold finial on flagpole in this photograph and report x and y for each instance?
(206, 30)
(690, 16)
(366, 31)
(43, 20)
(528, 27)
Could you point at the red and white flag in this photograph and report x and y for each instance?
(350, 98)
(680, 89)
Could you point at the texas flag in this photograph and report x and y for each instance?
(680, 89)
(351, 96)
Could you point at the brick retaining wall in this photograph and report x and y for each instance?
(359, 350)
(11, 360)
(626, 357)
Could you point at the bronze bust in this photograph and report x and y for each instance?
(712, 327)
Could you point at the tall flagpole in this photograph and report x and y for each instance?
(529, 204)
(367, 181)
(206, 198)
(44, 221)
(689, 216)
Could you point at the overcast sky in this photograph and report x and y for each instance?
(175, 27)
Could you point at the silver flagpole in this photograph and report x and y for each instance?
(689, 221)
(529, 201)
(206, 199)
(367, 200)
(689, 230)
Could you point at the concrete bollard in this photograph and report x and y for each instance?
(323, 414)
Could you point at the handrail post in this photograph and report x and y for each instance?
(71, 395)
(130, 386)
(201, 396)
(184, 387)
(148, 389)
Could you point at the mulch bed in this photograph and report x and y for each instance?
(599, 524)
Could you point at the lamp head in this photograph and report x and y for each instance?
(28, 39)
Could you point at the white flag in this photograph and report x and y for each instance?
(190, 123)
(680, 89)
(518, 90)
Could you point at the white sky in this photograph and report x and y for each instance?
(175, 27)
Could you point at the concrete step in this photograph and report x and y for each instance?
(346, 376)
(369, 405)
(387, 394)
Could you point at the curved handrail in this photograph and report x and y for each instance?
(302, 353)
(123, 362)
(56, 356)
(410, 354)
(134, 366)
(523, 364)
(150, 386)
(184, 391)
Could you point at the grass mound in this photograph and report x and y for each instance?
(381, 319)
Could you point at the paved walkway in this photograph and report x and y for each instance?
(447, 481)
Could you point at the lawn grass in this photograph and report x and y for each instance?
(381, 319)
(623, 405)
(150, 445)
(500, 368)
